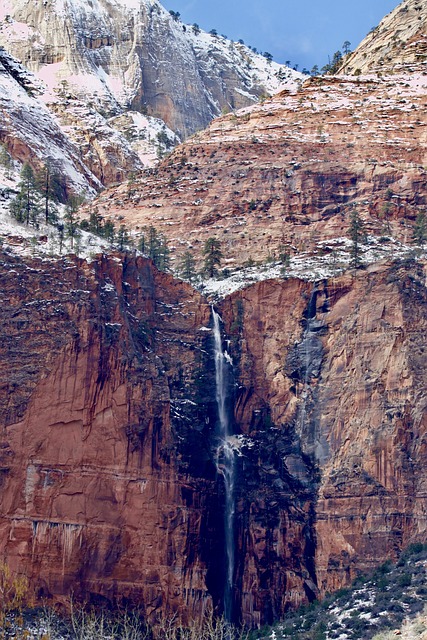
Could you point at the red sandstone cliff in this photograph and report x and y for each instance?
(108, 440)
(108, 482)
(98, 495)
(332, 392)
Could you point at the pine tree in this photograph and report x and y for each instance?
(95, 223)
(48, 183)
(162, 261)
(187, 267)
(356, 233)
(346, 47)
(336, 62)
(213, 254)
(284, 255)
(419, 234)
(122, 237)
(5, 158)
(108, 231)
(26, 206)
(61, 235)
(154, 245)
(71, 217)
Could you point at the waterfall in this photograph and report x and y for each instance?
(225, 461)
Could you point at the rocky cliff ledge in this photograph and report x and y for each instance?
(108, 483)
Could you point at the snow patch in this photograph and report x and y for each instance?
(307, 266)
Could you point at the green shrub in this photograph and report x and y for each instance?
(404, 580)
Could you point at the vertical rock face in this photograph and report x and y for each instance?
(98, 423)
(108, 436)
(276, 496)
(373, 416)
(126, 55)
(331, 402)
(108, 483)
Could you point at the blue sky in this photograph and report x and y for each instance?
(302, 31)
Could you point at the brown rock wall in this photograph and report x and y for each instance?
(372, 496)
(90, 497)
(336, 403)
(108, 483)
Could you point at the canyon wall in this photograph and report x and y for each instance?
(108, 482)
(286, 174)
(105, 472)
(332, 391)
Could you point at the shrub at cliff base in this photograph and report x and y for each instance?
(14, 598)
(391, 595)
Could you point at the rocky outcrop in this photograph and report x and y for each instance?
(87, 149)
(398, 42)
(373, 416)
(109, 484)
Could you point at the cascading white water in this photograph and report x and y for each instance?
(225, 461)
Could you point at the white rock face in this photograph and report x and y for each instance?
(399, 41)
(133, 55)
(31, 132)
(120, 83)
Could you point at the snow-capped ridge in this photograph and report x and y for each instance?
(121, 82)
(137, 55)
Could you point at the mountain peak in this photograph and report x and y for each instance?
(398, 42)
(153, 64)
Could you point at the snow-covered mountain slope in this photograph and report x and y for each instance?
(31, 132)
(133, 55)
(87, 148)
(111, 85)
